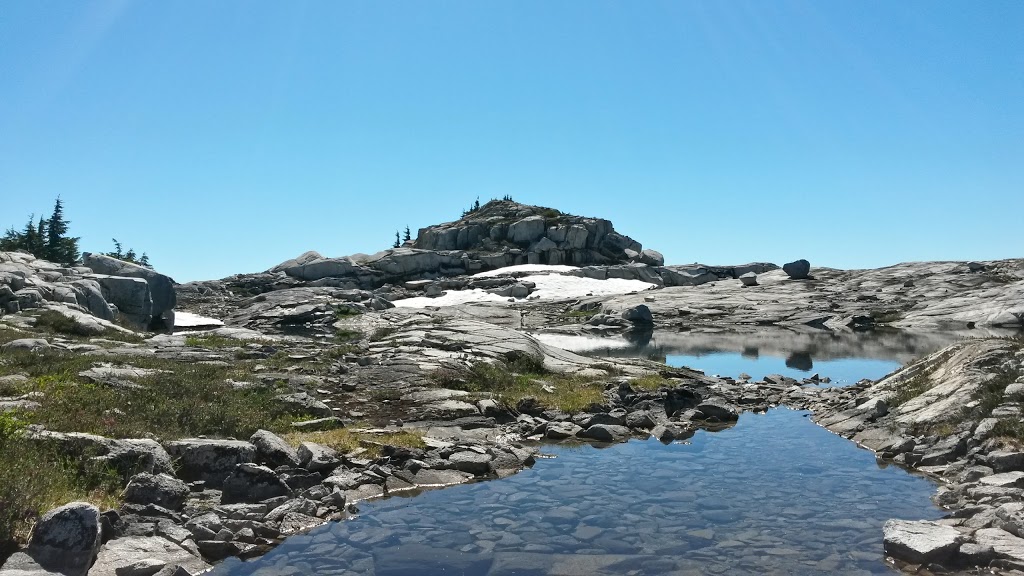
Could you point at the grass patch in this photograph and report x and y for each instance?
(342, 350)
(346, 312)
(651, 382)
(346, 335)
(525, 376)
(25, 493)
(213, 341)
(190, 399)
(54, 322)
(345, 440)
(579, 316)
(382, 333)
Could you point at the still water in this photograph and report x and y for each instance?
(775, 494)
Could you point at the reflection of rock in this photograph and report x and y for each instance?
(750, 353)
(800, 361)
(639, 335)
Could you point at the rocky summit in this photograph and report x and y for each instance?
(213, 419)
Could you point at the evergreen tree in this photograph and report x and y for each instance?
(398, 241)
(476, 205)
(118, 250)
(407, 236)
(144, 261)
(58, 246)
(31, 240)
(41, 229)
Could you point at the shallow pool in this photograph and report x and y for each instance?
(775, 494)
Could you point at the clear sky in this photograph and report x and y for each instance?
(225, 137)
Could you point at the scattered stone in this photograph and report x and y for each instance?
(252, 483)
(921, 541)
(161, 489)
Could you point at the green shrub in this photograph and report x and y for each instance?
(25, 493)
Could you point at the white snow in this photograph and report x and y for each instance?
(549, 287)
(557, 286)
(574, 343)
(524, 268)
(189, 320)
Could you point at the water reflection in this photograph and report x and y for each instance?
(773, 495)
(843, 356)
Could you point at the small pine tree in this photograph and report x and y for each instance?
(398, 241)
(31, 240)
(476, 205)
(129, 256)
(407, 235)
(118, 250)
(144, 261)
(58, 246)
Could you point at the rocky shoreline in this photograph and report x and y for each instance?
(324, 382)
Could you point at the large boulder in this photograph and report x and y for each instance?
(142, 555)
(639, 314)
(797, 270)
(163, 490)
(252, 483)
(210, 460)
(920, 542)
(132, 297)
(66, 539)
(161, 287)
(273, 450)
(527, 230)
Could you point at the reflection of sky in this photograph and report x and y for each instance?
(775, 481)
(841, 371)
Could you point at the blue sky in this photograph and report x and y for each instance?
(225, 137)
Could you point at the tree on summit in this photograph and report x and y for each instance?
(45, 238)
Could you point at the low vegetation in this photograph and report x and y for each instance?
(214, 341)
(25, 494)
(524, 377)
(346, 440)
(183, 399)
(53, 322)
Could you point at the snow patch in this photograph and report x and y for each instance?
(190, 320)
(574, 343)
(507, 270)
(549, 287)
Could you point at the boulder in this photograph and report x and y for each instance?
(605, 433)
(920, 542)
(163, 490)
(561, 430)
(718, 409)
(302, 404)
(652, 258)
(29, 344)
(527, 230)
(131, 296)
(273, 450)
(639, 314)
(67, 539)
(797, 270)
(210, 460)
(161, 287)
(749, 279)
(145, 555)
(317, 457)
(252, 483)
